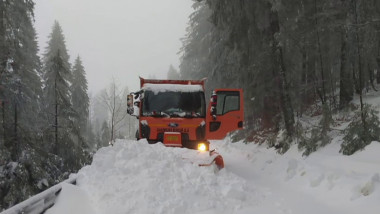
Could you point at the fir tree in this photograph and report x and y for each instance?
(357, 136)
(62, 133)
(196, 44)
(286, 55)
(80, 99)
(80, 103)
(22, 159)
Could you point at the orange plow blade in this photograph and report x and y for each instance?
(207, 159)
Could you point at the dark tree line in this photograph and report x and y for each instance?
(43, 107)
(286, 55)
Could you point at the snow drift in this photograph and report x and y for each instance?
(135, 177)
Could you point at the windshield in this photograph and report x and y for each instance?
(174, 104)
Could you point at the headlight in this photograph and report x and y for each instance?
(202, 147)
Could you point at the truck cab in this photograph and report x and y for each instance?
(174, 112)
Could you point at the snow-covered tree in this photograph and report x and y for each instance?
(20, 84)
(22, 160)
(61, 116)
(79, 98)
(196, 44)
(286, 55)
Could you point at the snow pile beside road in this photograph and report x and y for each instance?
(324, 182)
(72, 200)
(135, 177)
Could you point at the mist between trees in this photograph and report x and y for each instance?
(292, 58)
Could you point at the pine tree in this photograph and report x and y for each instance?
(20, 92)
(19, 74)
(286, 55)
(196, 44)
(80, 99)
(62, 134)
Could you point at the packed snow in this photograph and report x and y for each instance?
(136, 177)
(159, 88)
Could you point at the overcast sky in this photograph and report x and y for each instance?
(123, 39)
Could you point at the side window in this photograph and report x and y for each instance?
(220, 103)
(227, 101)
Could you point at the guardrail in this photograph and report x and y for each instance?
(41, 202)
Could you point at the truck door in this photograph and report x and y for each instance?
(225, 113)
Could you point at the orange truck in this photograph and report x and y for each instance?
(174, 112)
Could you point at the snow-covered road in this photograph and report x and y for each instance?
(135, 177)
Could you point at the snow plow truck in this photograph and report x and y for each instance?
(174, 112)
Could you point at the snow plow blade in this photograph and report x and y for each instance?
(206, 159)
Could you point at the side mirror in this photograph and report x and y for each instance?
(213, 101)
(130, 104)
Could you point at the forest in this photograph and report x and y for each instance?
(50, 125)
(292, 58)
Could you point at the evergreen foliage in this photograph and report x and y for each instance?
(359, 135)
(80, 103)
(319, 135)
(80, 99)
(66, 133)
(29, 160)
(20, 92)
(286, 55)
(197, 43)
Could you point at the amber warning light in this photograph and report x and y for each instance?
(202, 147)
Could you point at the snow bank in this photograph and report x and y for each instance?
(135, 177)
(157, 88)
(324, 182)
(71, 200)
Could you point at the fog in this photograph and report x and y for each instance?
(120, 39)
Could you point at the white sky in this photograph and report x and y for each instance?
(123, 39)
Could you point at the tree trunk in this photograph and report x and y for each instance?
(304, 81)
(371, 77)
(113, 114)
(346, 91)
(281, 72)
(378, 61)
(2, 38)
(3, 123)
(323, 96)
(15, 152)
(360, 65)
(56, 147)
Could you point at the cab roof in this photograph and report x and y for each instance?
(157, 88)
(178, 84)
